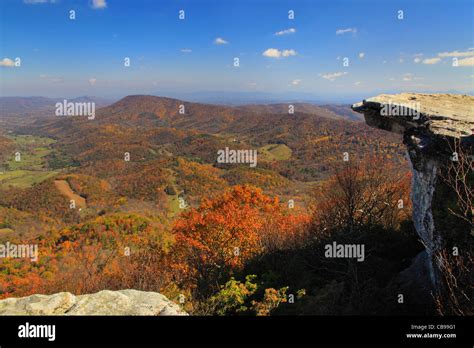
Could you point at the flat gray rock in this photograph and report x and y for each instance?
(106, 302)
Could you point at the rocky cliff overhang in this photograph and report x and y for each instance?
(106, 302)
(448, 115)
(433, 127)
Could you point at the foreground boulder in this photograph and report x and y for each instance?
(106, 302)
(437, 130)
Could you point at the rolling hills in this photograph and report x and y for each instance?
(146, 154)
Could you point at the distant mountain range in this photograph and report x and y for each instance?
(256, 97)
(41, 106)
(143, 107)
(305, 142)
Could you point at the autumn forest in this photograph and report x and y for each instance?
(136, 199)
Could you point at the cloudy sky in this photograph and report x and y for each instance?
(334, 47)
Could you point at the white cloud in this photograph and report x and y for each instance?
(287, 53)
(186, 50)
(51, 78)
(295, 82)
(286, 32)
(417, 57)
(92, 81)
(401, 60)
(220, 41)
(33, 2)
(347, 30)
(431, 60)
(392, 79)
(468, 59)
(99, 4)
(357, 83)
(276, 53)
(7, 62)
(333, 76)
(410, 77)
(272, 53)
(466, 62)
(361, 55)
(456, 54)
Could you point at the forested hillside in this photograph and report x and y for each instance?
(136, 198)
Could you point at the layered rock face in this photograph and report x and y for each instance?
(106, 302)
(432, 125)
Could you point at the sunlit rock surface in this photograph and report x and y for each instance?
(106, 302)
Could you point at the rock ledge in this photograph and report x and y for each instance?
(449, 115)
(106, 302)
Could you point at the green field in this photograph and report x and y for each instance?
(5, 231)
(32, 165)
(173, 206)
(173, 200)
(275, 152)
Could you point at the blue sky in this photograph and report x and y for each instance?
(61, 57)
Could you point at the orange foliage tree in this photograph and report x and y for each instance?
(222, 234)
(112, 252)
